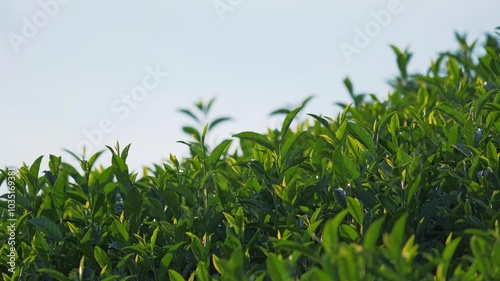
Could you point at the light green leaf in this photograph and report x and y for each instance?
(331, 232)
(444, 264)
(202, 272)
(101, 257)
(175, 276)
(277, 268)
(372, 235)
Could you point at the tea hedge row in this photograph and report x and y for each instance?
(401, 189)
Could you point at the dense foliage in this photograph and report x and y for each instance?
(402, 189)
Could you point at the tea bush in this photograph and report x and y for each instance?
(402, 189)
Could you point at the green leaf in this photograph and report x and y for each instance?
(444, 264)
(192, 132)
(93, 159)
(322, 121)
(341, 131)
(118, 277)
(453, 113)
(236, 222)
(280, 111)
(73, 155)
(204, 133)
(153, 239)
(307, 100)
(277, 268)
(410, 250)
(257, 205)
(481, 101)
(453, 136)
(35, 167)
(175, 276)
(481, 253)
(133, 202)
(124, 153)
(492, 155)
(101, 257)
(54, 163)
(218, 265)
(415, 186)
(317, 274)
(394, 241)
(197, 247)
(347, 267)
(40, 244)
(387, 202)
(47, 227)
(189, 114)
(165, 265)
(452, 68)
(59, 193)
(54, 274)
(120, 169)
(355, 209)
(359, 133)
(32, 175)
(236, 265)
(184, 192)
(119, 233)
(218, 151)
(218, 121)
(350, 233)
(202, 272)
(372, 235)
(339, 165)
(384, 122)
(331, 232)
(288, 121)
(256, 138)
(289, 143)
(394, 128)
(303, 249)
(469, 132)
(349, 87)
(403, 58)
(209, 105)
(340, 197)
(402, 158)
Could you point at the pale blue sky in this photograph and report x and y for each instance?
(261, 56)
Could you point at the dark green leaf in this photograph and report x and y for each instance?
(47, 227)
(54, 274)
(256, 138)
(218, 121)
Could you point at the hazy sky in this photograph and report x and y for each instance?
(70, 67)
